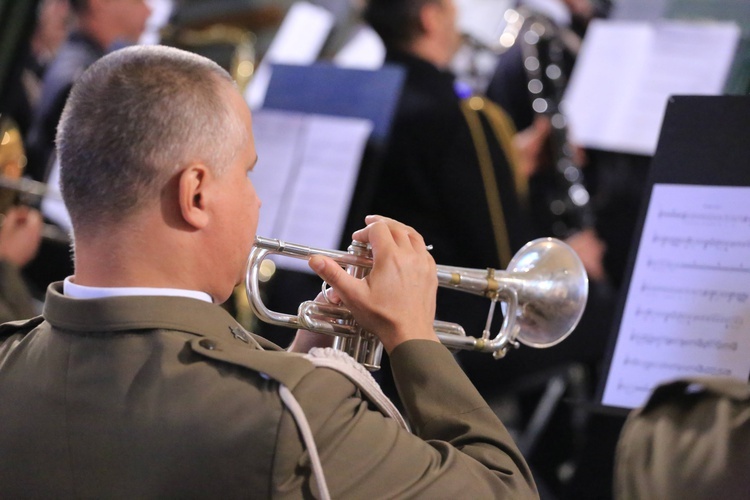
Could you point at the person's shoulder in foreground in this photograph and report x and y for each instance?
(689, 440)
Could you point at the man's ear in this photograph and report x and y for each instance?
(192, 186)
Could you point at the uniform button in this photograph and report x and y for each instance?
(207, 344)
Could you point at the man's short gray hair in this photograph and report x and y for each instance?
(132, 120)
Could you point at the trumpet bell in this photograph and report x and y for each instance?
(552, 288)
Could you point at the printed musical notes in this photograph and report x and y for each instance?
(687, 311)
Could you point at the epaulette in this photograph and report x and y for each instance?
(284, 367)
(289, 368)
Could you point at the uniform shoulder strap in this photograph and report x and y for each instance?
(289, 368)
(281, 366)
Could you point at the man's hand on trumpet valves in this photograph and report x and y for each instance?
(396, 301)
(304, 340)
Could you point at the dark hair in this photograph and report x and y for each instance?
(132, 120)
(397, 22)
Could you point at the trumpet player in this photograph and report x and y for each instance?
(135, 383)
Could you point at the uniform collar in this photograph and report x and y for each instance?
(74, 290)
(423, 73)
(142, 313)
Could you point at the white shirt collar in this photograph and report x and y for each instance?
(75, 291)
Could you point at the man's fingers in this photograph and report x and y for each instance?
(380, 230)
(346, 286)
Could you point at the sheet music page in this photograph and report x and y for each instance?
(308, 168)
(605, 69)
(627, 70)
(483, 19)
(299, 41)
(365, 50)
(278, 136)
(687, 311)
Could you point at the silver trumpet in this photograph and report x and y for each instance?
(543, 293)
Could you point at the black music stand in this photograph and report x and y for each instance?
(703, 142)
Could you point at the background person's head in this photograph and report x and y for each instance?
(426, 28)
(154, 146)
(109, 21)
(53, 20)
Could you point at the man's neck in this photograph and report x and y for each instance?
(133, 258)
(431, 52)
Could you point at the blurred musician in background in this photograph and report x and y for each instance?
(20, 228)
(136, 383)
(448, 169)
(101, 25)
(20, 235)
(51, 20)
(529, 82)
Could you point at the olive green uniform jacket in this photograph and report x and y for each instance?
(691, 440)
(15, 300)
(167, 397)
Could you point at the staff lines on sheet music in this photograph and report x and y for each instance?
(730, 322)
(632, 388)
(709, 294)
(673, 265)
(708, 243)
(656, 340)
(697, 368)
(704, 218)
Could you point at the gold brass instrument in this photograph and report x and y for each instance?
(12, 159)
(14, 188)
(543, 293)
(231, 47)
